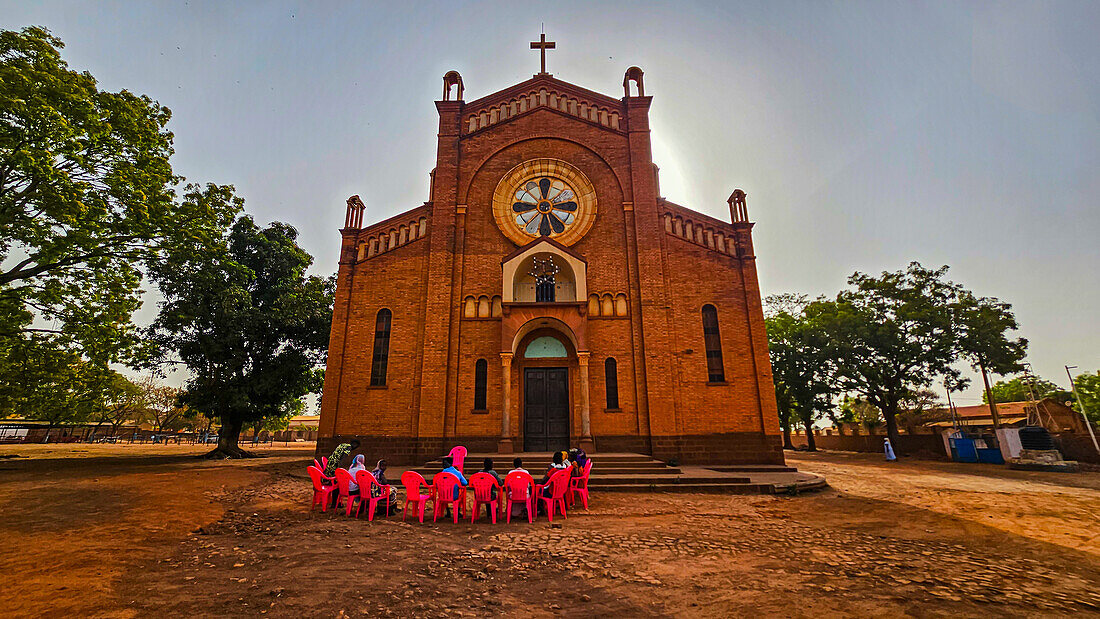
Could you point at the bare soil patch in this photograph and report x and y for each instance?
(214, 538)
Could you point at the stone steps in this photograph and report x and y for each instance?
(628, 472)
(753, 468)
(613, 479)
(723, 487)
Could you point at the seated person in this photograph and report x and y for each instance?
(449, 467)
(555, 466)
(488, 468)
(359, 464)
(519, 509)
(565, 460)
(517, 465)
(338, 454)
(379, 474)
(578, 458)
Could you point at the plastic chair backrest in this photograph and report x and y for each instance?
(559, 483)
(483, 484)
(317, 476)
(458, 454)
(443, 484)
(366, 481)
(520, 484)
(587, 470)
(343, 479)
(413, 481)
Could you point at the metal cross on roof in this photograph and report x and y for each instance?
(542, 45)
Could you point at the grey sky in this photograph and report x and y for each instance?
(866, 134)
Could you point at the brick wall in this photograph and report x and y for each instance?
(923, 445)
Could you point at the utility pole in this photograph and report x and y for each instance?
(951, 406)
(1081, 404)
(1031, 395)
(993, 412)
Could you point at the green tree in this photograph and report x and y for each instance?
(920, 406)
(163, 408)
(1019, 389)
(785, 405)
(123, 401)
(247, 321)
(86, 202)
(982, 326)
(801, 365)
(859, 410)
(890, 335)
(1088, 388)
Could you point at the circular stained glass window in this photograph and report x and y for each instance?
(544, 199)
(545, 206)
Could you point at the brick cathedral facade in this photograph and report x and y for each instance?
(547, 296)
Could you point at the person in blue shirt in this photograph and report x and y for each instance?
(449, 467)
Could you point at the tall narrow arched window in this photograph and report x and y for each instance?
(611, 380)
(481, 370)
(715, 371)
(381, 348)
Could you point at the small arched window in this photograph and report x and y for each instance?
(713, 342)
(481, 370)
(381, 356)
(611, 380)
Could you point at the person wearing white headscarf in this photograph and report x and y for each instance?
(359, 464)
(890, 457)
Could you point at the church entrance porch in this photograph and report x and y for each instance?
(545, 409)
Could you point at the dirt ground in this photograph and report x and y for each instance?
(122, 532)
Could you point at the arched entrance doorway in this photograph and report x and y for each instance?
(545, 361)
(551, 401)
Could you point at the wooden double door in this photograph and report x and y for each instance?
(545, 409)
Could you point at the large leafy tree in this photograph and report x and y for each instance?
(246, 320)
(86, 203)
(983, 325)
(890, 335)
(801, 364)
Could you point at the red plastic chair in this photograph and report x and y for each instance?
(579, 485)
(483, 485)
(366, 482)
(519, 487)
(324, 463)
(459, 456)
(323, 487)
(413, 482)
(343, 482)
(443, 492)
(559, 486)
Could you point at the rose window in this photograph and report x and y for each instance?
(544, 206)
(546, 199)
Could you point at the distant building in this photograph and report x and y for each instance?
(1053, 415)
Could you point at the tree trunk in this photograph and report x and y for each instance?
(891, 415)
(989, 397)
(809, 426)
(787, 436)
(836, 423)
(228, 435)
